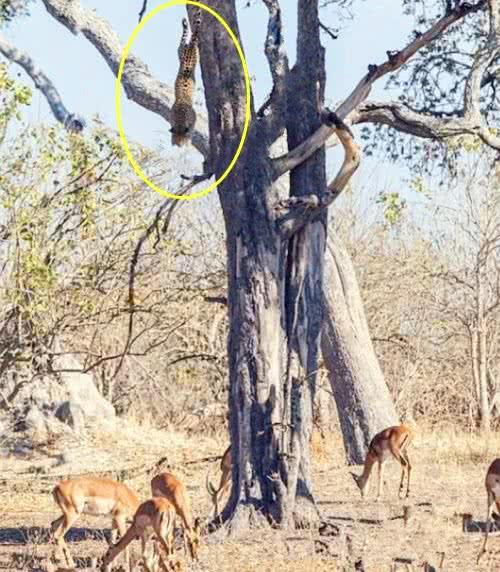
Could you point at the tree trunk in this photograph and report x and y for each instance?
(363, 400)
(274, 287)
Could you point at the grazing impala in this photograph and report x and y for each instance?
(225, 480)
(95, 496)
(168, 486)
(156, 513)
(492, 484)
(391, 442)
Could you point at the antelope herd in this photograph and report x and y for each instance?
(155, 518)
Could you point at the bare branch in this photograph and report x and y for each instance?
(399, 116)
(494, 10)
(273, 110)
(333, 35)
(394, 61)
(472, 92)
(171, 204)
(139, 85)
(143, 9)
(296, 212)
(71, 121)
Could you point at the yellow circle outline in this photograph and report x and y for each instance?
(118, 82)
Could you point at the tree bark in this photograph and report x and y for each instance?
(274, 293)
(363, 401)
(304, 270)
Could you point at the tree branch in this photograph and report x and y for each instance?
(295, 212)
(494, 12)
(394, 61)
(399, 116)
(273, 110)
(143, 9)
(139, 85)
(71, 121)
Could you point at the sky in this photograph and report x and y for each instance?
(87, 85)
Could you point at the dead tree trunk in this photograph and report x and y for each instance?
(363, 401)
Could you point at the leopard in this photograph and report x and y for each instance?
(183, 115)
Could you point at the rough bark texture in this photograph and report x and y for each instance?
(363, 401)
(304, 267)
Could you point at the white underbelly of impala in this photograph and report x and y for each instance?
(98, 506)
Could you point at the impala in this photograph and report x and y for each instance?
(492, 484)
(156, 513)
(170, 487)
(391, 442)
(94, 496)
(225, 480)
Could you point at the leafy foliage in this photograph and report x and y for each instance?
(13, 95)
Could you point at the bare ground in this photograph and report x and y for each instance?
(447, 480)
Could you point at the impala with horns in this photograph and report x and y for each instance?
(225, 480)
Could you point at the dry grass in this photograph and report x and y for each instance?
(449, 469)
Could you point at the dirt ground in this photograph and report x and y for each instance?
(447, 480)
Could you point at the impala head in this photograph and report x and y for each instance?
(360, 482)
(106, 559)
(192, 538)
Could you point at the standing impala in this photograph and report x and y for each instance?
(225, 480)
(170, 487)
(391, 442)
(158, 514)
(94, 496)
(492, 484)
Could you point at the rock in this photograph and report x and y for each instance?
(84, 402)
(61, 404)
(72, 414)
(36, 425)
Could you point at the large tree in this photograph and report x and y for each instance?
(276, 245)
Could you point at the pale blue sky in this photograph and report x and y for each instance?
(86, 84)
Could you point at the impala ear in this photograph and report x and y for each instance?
(355, 477)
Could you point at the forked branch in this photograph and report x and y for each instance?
(139, 84)
(394, 61)
(406, 120)
(295, 212)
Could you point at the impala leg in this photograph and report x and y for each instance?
(148, 562)
(408, 472)
(121, 526)
(60, 527)
(54, 529)
(380, 477)
(402, 458)
(489, 505)
(166, 539)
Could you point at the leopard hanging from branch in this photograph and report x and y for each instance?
(183, 115)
